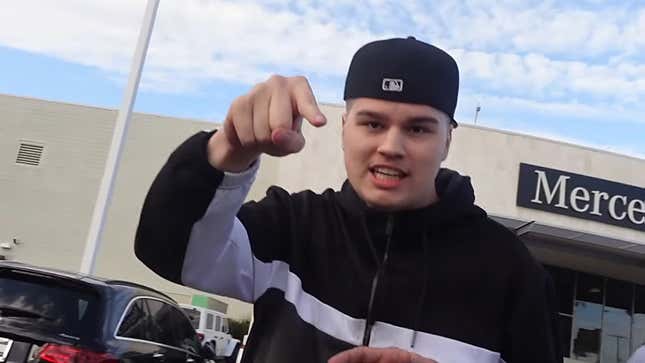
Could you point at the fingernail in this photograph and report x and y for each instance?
(279, 136)
(321, 119)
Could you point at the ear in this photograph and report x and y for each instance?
(447, 146)
(342, 131)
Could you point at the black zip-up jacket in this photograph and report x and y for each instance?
(326, 273)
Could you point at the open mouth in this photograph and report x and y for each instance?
(387, 174)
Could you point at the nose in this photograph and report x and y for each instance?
(392, 145)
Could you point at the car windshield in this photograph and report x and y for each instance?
(193, 316)
(48, 305)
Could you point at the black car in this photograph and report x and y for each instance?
(72, 318)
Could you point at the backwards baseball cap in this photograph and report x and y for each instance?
(405, 70)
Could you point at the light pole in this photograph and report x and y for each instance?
(477, 109)
(120, 130)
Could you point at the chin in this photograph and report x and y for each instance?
(388, 205)
(384, 200)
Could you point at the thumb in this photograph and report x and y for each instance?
(288, 141)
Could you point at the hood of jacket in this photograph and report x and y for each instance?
(456, 202)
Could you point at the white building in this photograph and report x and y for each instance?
(580, 210)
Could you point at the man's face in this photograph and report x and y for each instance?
(393, 151)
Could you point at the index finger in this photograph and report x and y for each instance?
(304, 102)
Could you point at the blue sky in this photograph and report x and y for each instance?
(572, 72)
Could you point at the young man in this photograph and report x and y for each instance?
(399, 258)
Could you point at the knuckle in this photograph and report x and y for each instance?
(234, 111)
(239, 110)
(300, 80)
(276, 80)
(239, 104)
(258, 91)
(301, 86)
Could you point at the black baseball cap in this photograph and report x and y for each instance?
(404, 70)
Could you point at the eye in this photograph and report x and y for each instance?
(373, 125)
(418, 130)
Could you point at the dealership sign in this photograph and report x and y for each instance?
(581, 196)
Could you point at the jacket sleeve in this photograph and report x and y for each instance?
(188, 226)
(196, 230)
(638, 356)
(532, 334)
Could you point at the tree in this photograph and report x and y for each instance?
(238, 328)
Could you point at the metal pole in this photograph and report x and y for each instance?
(477, 109)
(120, 130)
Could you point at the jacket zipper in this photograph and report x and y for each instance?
(369, 322)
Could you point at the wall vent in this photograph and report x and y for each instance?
(29, 153)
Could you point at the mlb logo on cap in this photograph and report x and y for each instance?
(393, 85)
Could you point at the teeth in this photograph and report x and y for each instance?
(387, 173)
(386, 176)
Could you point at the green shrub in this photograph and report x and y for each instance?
(238, 328)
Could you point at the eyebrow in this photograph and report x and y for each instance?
(371, 114)
(422, 119)
(412, 120)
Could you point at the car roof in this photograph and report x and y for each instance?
(105, 283)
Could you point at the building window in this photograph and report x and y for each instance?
(638, 324)
(587, 318)
(616, 321)
(601, 319)
(564, 282)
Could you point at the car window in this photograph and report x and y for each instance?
(171, 327)
(209, 321)
(225, 325)
(184, 334)
(193, 316)
(136, 323)
(218, 324)
(161, 327)
(50, 305)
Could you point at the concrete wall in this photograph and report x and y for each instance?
(492, 158)
(49, 207)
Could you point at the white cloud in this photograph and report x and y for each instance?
(245, 40)
(101, 34)
(192, 40)
(541, 77)
(531, 52)
(570, 110)
(548, 27)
